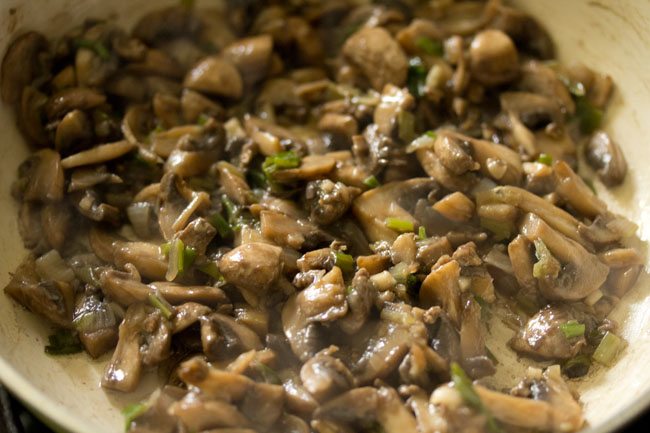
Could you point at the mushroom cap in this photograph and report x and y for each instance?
(217, 76)
(493, 58)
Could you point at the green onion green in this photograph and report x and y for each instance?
(417, 75)
(545, 159)
(203, 119)
(222, 226)
(344, 261)
(572, 329)
(430, 46)
(406, 126)
(546, 265)
(610, 346)
(589, 116)
(422, 233)
(400, 225)
(280, 161)
(180, 258)
(96, 46)
(431, 134)
(156, 300)
(465, 388)
(63, 342)
(131, 412)
(211, 269)
(371, 182)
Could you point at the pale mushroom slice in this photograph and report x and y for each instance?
(578, 274)
(217, 76)
(98, 154)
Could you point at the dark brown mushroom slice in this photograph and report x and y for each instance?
(53, 300)
(305, 338)
(441, 287)
(493, 58)
(410, 36)
(216, 76)
(383, 353)
(542, 336)
(234, 183)
(167, 108)
(197, 235)
(76, 98)
(137, 123)
(21, 65)
(90, 205)
(581, 272)
(30, 116)
(475, 358)
(378, 56)
(606, 157)
(534, 110)
(222, 336)
(434, 167)
(156, 62)
(74, 130)
(56, 222)
(44, 171)
(91, 69)
(529, 35)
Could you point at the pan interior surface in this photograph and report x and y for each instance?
(611, 38)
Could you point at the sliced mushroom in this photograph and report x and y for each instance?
(166, 23)
(73, 131)
(146, 258)
(234, 184)
(144, 340)
(21, 65)
(581, 273)
(200, 415)
(97, 325)
(53, 300)
(223, 337)
(378, 56)
(304, 337)
(441, 287)
(324, 299)
(328, 201)
(252, 267)
(575, 191)
(177, 204)
(76, 98)
(311, 167)
(537, 77)
(44, 174)
(30, 116)
(194, 104)
(493, 58)
(289, 232)
(98, 154)
(252, 56)
(542, 337)
(217, 76)
(56, 221)
(325, 376)
(371, 210)
(394, 101)
(606, 157)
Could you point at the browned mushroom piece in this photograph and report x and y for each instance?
(32, 105)
(215, 76)
(378, 56)
(223, 337)
(165, 23)
(252, 56)
(21, 65)
(144, 341)
(74, 130)
(76, 98)
(43, 172)
(493, 58)
(606, 157)
(97, 324)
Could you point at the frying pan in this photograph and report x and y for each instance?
(611, 37)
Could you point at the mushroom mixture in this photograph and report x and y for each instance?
(304, 214)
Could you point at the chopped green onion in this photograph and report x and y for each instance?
(545, 159)
(96, 46)
(344, 261)
(212, 270)
(412, 283)
(280, 161)
(400, 225)
(256, 178)
(546, 266)
(430, 46)
(131, 412)
(422, 233)
(465, 388)
(501, 229)
(203, 119)
(573, 329)
(609, 347)
(589, 116)
(406, 126)
(222, 226)
(431, 134)
(371, 182)
(577, 366)
(417, 75)
(156, 300)
(180, 258)
(63, 342)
